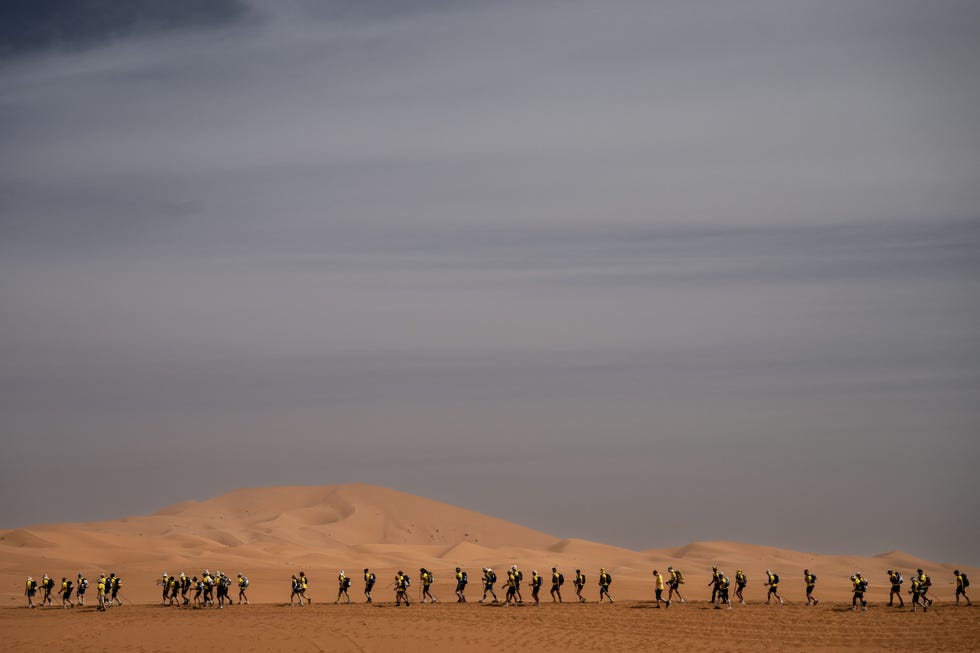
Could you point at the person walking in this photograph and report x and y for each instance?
(895, 580)
(369, 580)
(427, 579)
(579, 585)
(659, 589)
(740, 583)
(343, 586)
(536, 582)
(773, 584)
(810, 580)
(605, 580)
(674, 584)
(962, 582)
(30, 589)
(860, 586)
(242, 587)
(461, 581)
(489, 580)
(557, 580)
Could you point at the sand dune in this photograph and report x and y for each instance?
(272, 532)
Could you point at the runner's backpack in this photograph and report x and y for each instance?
(966, 581)
(83, 583)
(244, 582)
(346, 582)
(561, 579)
(775, 579)
(813, 578)
(68, 586)
(608, 579)
(680, 576)
(492, 576)
(465, 578)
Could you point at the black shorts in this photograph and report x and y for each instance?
(66, 595)
(897, 589)
(488, 587)
(660, 593)
(460, 587)
(809, 590)
(773, 589)
(369, 587)
(723, 595)
(960, 590)
(555, 588)
(81, 591)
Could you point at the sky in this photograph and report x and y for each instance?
(638, 272)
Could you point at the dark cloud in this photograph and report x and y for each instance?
(36, 25)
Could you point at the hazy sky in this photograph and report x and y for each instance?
(638, 272)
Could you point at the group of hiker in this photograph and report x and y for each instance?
(720, 583)
(214, 589)
(108, 591)
(208, 590)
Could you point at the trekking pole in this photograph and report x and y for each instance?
(125, 598)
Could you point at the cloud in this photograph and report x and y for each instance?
(418, 236)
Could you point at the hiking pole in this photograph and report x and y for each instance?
(125, 598)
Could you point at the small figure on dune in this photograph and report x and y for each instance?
(723, 584)
(579, 585)
(658, 588)
(962, 582)
(402, 583)
(47, 584)
(304, 585)
(810, 580)
(536, 582)
(925, 583)
(81, 584)
(427, 578)
(296, 593)
(343, 586)
(605, 580)
(66, 588)
(740, 582)
(773, 584)
(860, 586)
(101, 589)
(164, 582)
(30, 590)
(557, 580)
(895, 580)
(489, 580)
(674, 584)
(369, 580)
(242, 586)
(713, 583)
(461, 581)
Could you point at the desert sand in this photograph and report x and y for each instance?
(271, 533)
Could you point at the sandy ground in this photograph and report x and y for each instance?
(625, 626)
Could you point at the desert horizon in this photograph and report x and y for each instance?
(272, 533)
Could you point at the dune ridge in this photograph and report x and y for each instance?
(272, 532)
